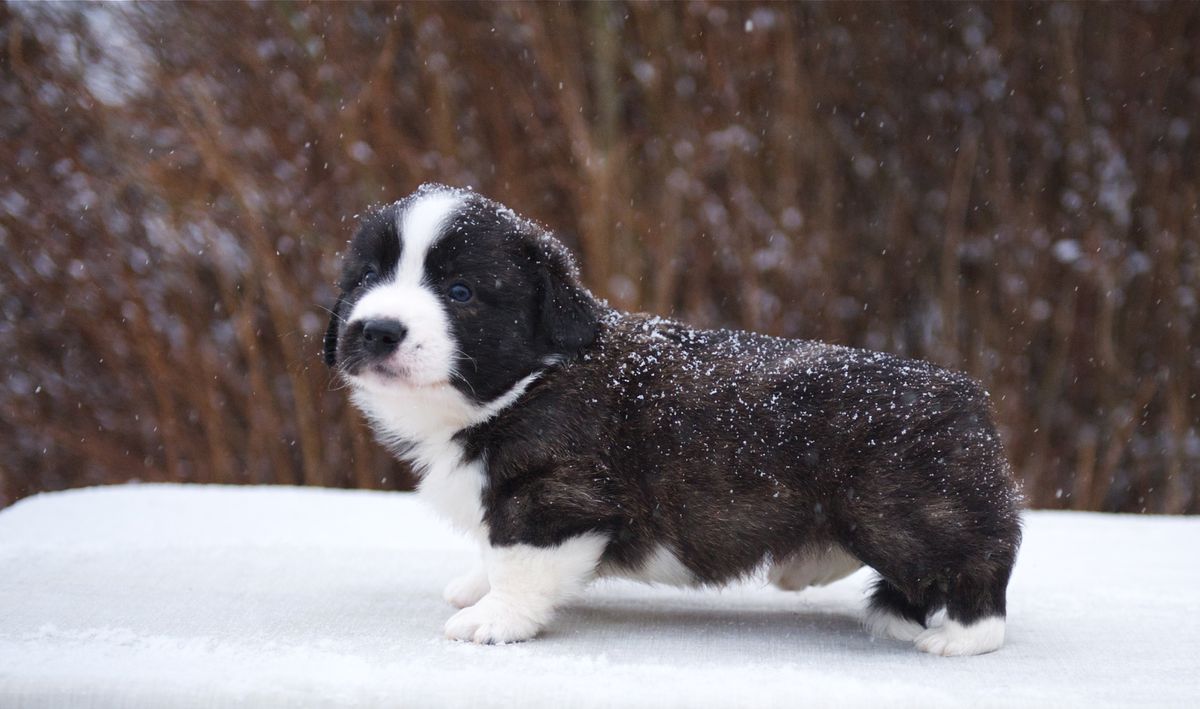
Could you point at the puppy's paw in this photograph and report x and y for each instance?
(954, 639)
(883, 624)
(491, 622)
(466, 590)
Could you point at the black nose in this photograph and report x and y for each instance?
(381, 337)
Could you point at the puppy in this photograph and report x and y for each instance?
(572, 440)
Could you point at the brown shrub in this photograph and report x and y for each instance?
(1004, 189)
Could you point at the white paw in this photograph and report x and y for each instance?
(491, 622)
(953, 638)
(883, 624)
(466, 590)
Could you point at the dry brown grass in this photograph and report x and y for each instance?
(1005, 189)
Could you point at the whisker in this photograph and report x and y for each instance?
(461, 378)
(339, 318)
(474, 364)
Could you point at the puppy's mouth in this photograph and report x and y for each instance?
(387, 370)
(393, 375)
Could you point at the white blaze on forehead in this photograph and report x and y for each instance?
(420, 226)
(426, 354)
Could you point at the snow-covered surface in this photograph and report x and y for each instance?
(163, 595)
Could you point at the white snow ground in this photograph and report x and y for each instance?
(164, 595)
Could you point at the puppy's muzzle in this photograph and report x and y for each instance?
(381, 337)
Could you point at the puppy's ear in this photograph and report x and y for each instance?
(567, 313)
(331, 333)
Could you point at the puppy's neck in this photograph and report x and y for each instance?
(420, 422)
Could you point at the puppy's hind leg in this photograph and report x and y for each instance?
(974, 618)
(527, 584)
(927, 566)
(891, 615)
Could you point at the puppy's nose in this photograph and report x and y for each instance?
(381, 337)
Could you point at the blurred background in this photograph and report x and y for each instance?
(1007, 189)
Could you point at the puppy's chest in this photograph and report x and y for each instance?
(454, 488)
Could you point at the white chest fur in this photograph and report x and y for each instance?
(454, 489)
(422, 423)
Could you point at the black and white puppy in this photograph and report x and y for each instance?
(575, 441)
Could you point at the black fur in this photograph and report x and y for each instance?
(374, 252)
(329, 342)
(732, 448)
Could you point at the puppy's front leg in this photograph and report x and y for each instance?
(527, 584)
(466, 590)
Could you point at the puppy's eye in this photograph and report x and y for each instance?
(369, 276)
(459, 292)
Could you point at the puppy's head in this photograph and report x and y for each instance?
(448, 289)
